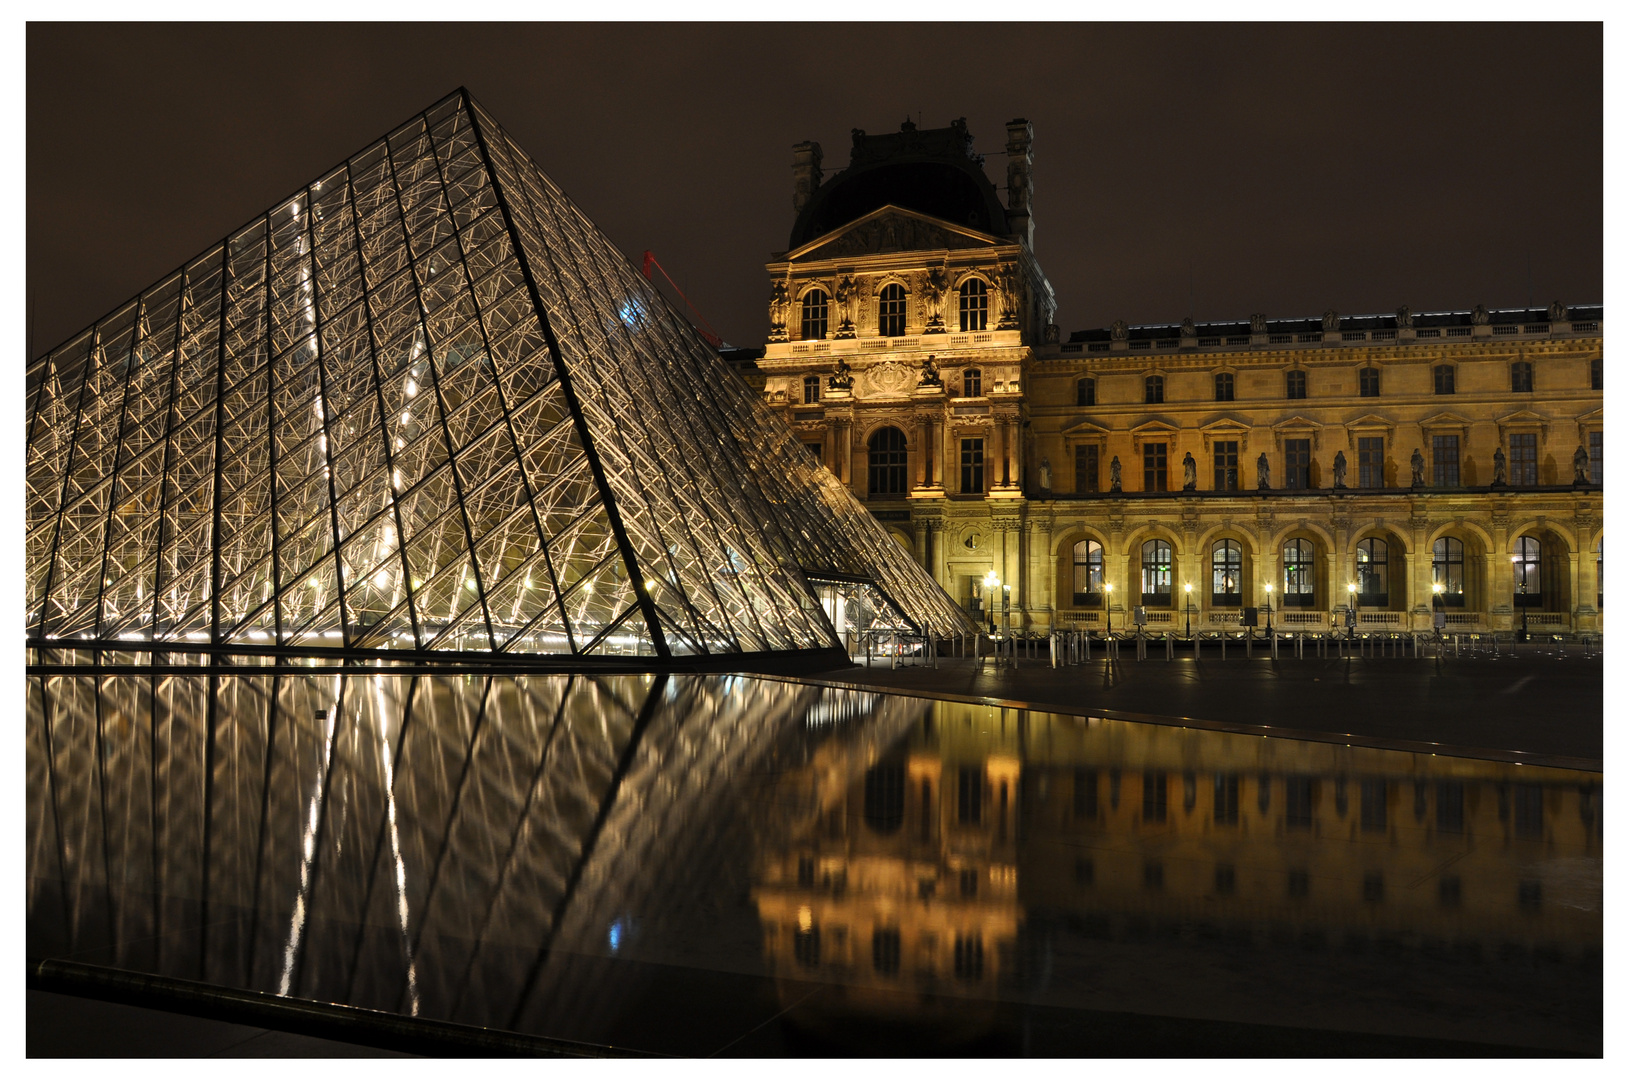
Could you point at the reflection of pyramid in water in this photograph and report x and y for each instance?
(432, 356)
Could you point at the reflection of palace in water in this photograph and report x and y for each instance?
(934, 873)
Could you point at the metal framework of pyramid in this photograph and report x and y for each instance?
(424, 404)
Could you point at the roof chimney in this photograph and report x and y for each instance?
(806, 173)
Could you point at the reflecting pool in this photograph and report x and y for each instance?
(749, 866)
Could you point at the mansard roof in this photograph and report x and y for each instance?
(933, 171)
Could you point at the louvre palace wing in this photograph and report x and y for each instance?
(424, 404)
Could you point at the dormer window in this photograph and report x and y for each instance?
(973, 306)
(894, 310)
(815, 315)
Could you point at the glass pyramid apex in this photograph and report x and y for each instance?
(424, 404)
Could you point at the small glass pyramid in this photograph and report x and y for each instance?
(424, 404)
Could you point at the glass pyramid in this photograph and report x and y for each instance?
(424, 404)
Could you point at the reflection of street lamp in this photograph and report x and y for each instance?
(1108, 588)
(1188, 609)
(1269, 587)
(1518, 575)
(991, 582)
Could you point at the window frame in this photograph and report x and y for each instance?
(1086, 392)
(972, 466)
(810, 390)
(1089, 559)
(815, 316)
(1227, 465)
(1523, 459)
(1298, 570)
(971, 383)
(1366, 465)
(1449, 552)
(1291, 473)
(1370, 381)
(973, 305)
(894, 467)
(1374, 567)
(1154, 390)
(1445, 379)
(1526, 553)
(893, 311)
(1157, 572)
(1220, 568)
(1224, 386)
(1154, 466)
(1445, 473)
(1521, 377)
(1297, 384)
(1086, 481)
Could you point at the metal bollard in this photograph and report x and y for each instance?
(1299, 641)
(1197, 647)
(1086, 646)
(1247, 648)
(1168, 646)
(1274, 651)
(1224, 640)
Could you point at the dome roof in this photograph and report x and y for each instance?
(932, 172)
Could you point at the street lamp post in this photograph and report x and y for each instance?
(1269, 588)
(1188, 611)
(1354, 610)
(990, 583)
(1108, 588)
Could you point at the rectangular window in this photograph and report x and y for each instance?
(1086, 793)
(1300, 802)
(1086, 391)
(970, 796)
(1371, 461)
(1523, 383)
(1225, 386)
(1374, 805)
(1595, 449)
(1369, 382)
(1296, 464)
(1597, 373)
(1446, 472)
(1521, 460)
(810, 390)
(1227, 795)
(1295, 384)
(971, 466)
(1445, 379)
(1087, 469)
(973, 382)
(1155, 797)
(1155, 457)
(1225, 466)
(1154, 389)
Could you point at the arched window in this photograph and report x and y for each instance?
(973, 382)
(1298, 574)
(1527, 571)
(1087, 574)
(1372, 572)
(1448, 571)
(1156, 573)
(1227, 590)
(1445, 379)
(894, 308)
(1086, 391)
(888, 462)
(810, 389)
(973, 306)
(815, 315)
(1154, 389)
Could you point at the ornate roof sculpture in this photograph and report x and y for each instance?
(424, 404)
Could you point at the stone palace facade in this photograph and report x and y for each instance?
(1391, 464)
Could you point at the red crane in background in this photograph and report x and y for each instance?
(705, 329)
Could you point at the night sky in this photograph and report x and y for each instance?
(1205, 170)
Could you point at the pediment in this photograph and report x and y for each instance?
(1369, 421)
(1154, 426)
(891, 228)
(1224, 425)
(1521, 416)
(1296, 423)
(1445, 419)
(1082, 428)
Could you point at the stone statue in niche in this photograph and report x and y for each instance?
(1329, 320)
(1499, 465)
(778, 304)
(1340, 469)
(1403, 317)
(1044, 476)
(1479, 316)
(1120, 330)
(1188, 328)
(1010, 296)
(1263, 466)
(1557, 312)
(1256, 322)
(1418, 466)
(843, 377)
(1189, 467)
(1052, 334)
(929, 375)
(846, 298)
(1583, 465)
(932, 291)
(1116, 472)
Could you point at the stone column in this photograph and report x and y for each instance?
(1041, 571)
(939, 557)
(917, 453)
(1586, 579)
(993, 453)
(951, 457)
